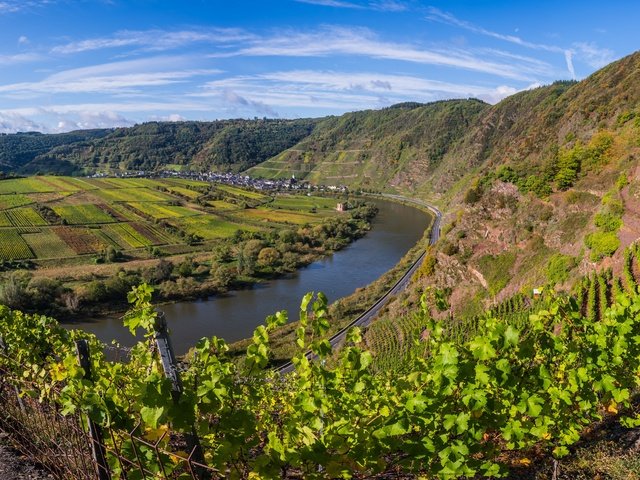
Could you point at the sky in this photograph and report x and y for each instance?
(76, 64)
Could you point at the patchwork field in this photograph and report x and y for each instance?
(66, 218)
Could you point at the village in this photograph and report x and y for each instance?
(235, 179)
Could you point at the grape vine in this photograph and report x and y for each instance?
(456, 407)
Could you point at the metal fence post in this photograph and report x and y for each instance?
(98, 452)
(170, 367)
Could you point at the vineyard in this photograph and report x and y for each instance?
(44, 217)
(83, 214)
(454, 410)
(390, 340)
(13, 246)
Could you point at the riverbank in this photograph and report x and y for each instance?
(234, 316)
(242, 262)
(346, 310)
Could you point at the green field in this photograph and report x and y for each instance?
(211, 227)
(303, 203)
(278, 216)
(242, 193)
(67, 218)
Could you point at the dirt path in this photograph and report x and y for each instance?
(14, 466)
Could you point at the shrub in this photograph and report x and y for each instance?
(602, 244)
(608, 222)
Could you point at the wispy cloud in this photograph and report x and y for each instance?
(587, 51)
(13, 6)
(593, 55)
(331, 3)
(334, 41)
(438, 15)
(114, 77)
(19, 58)
(378, 5)
(154, 40)
(344, 90)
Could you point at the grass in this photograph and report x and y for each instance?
(133, 195)
(303, 203)
(125, 236)
(25, 217)
(26, 185)
(211, 226)
(222, 205)
(496, 270)
(242, 193)
(278, 216)
(185, 192)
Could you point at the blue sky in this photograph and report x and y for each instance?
(69, 64)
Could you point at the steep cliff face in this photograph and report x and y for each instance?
(542, 189)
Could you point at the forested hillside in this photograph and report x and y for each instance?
(226, 145)
(21, 148)
(372, 148)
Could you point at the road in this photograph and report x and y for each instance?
(368, 316)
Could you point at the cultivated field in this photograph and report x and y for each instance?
(45, 218)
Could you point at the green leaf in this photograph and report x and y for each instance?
(151, 415)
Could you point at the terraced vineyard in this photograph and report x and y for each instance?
(47, 218)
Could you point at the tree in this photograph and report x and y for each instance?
(222, 276)
(268, 257)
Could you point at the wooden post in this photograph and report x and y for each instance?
(95, 431)
(170, 367)
(5, 351)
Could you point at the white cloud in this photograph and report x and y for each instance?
(11, 122)
(568, 56)
(84, 120)
(344, 91)
(114, 77)
(154, 40)
(331, 3)
(23, 40)
(13, 6)
(173, 117)
(593, 55)
(362, 42)
(19, 58)
(379, 5)
(447, 18)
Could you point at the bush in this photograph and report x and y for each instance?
(602, 244)
(449, 248)
(608, 222)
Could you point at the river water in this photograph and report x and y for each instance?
(395, 230)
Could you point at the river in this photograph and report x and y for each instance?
(394, 231)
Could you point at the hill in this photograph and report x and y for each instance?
(21, 148)
(372, 148)
(225, 145)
